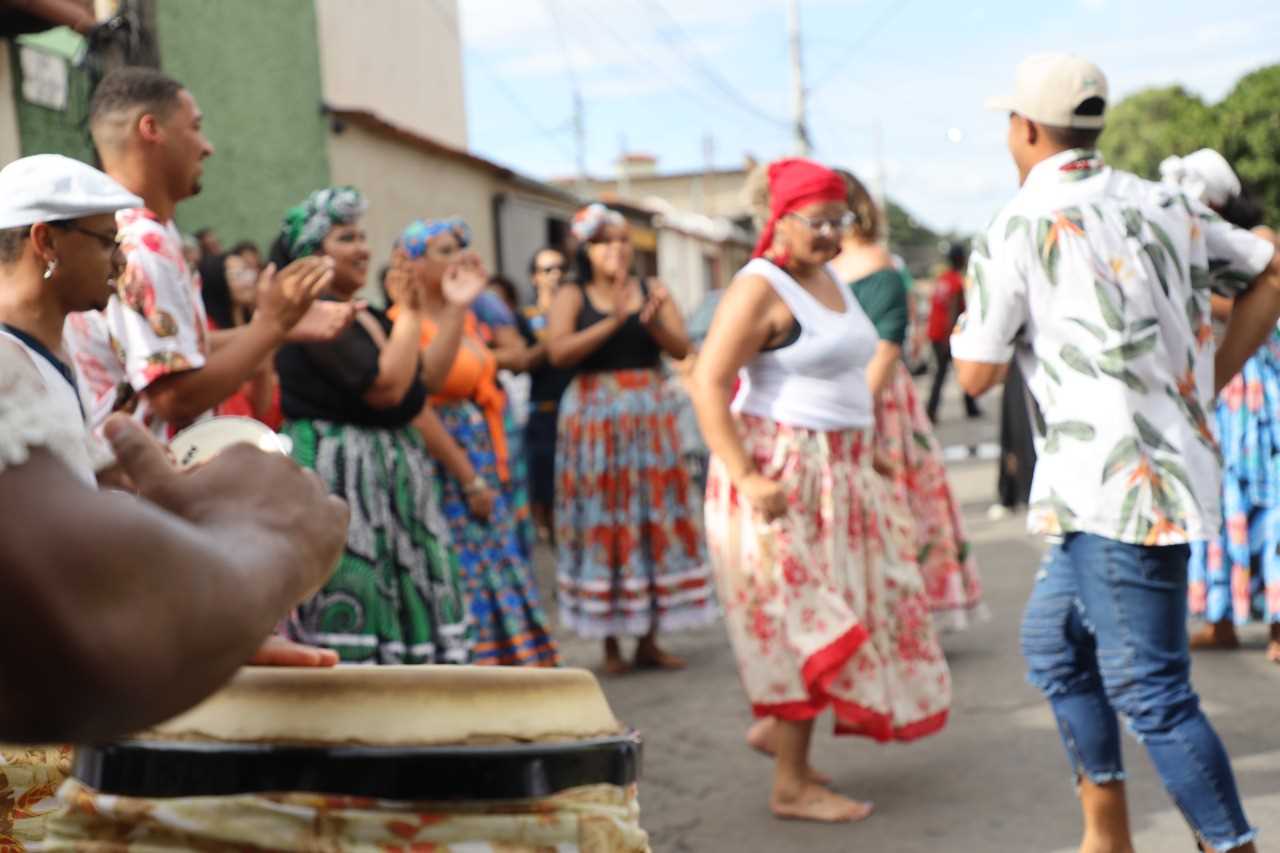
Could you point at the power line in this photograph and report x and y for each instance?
(853, 47)
(701, 66)
(678, 82)
(554, 134)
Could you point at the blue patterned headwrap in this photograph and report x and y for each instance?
(417, 234)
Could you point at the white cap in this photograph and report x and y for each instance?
(50, 187)
(1049, 88)
(1205, 175)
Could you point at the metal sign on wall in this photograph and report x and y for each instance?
(44, 78)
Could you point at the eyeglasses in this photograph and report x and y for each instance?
(107, 240)
(550, 269)
(830, 227)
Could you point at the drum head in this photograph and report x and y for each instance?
(425, 774)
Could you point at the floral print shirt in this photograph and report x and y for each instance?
(1100, 281)
(154, 325)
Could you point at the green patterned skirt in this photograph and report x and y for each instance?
(397, 595)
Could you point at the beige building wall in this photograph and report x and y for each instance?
(10, 143)
(403, 184)
(714, 194)
(400, 59)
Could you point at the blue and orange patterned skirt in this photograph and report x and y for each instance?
(630, 553)
(1237, 575)
(510, 626)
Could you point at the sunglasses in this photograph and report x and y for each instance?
(829, 226)
(107, 240)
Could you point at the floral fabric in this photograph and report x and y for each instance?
(510, 625)
(1236, 575)
(396, 596)
(1110, 277)
(826, 607)
(904, 441)
(29, 780)
(154, 325)
(590, 819)
(629, 554)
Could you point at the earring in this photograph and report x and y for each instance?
(48, 270)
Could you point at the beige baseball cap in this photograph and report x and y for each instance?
(1050, 87)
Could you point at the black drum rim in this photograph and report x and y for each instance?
(172, 769)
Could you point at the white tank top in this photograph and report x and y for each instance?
(818, 382)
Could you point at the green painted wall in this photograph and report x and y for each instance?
(254, 68)
(46, 131)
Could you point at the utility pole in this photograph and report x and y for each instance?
(708, 166)
(580, 139)
(880, 198)
(797, 79)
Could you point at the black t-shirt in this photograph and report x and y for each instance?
(631, 347)
(328, 381)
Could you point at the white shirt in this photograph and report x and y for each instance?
(818, 382)
(1104, 278)
(40, 408)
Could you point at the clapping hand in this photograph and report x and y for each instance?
(464, 280)
(284, 297)
(401, 287)
(323, 322)
(658, 296)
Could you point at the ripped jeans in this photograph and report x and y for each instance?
(1105, 631)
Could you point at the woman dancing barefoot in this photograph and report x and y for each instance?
(823, 600)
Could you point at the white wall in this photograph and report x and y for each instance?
(399, 59)
(682, 267)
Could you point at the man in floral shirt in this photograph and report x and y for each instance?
(153, 339)
(1099, 283)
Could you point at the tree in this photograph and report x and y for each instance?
(1150, 125)
(1248, 135)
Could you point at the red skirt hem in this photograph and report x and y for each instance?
(852, 719)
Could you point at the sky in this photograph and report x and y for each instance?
(681, 79)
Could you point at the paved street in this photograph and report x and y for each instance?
(994, 780)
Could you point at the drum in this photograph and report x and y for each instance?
(353, 758)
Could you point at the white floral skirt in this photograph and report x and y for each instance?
(826, 606)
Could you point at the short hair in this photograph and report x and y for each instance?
(246, 246)
(957, 255)
(1078, 137)
(11, 242)
(533, 259)
(863, 206)
(125, 90)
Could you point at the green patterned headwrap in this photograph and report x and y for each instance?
(306, 224)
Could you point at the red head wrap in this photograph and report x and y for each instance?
(793, 184)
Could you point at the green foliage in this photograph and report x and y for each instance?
(1248, 126)
(1150, 125)
(1244, 127)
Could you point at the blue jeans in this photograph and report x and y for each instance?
(1105, 631)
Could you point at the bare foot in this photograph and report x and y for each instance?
(649, 656)
(760, 737)
(814, 802)
(1215, 636)
(616, 666)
